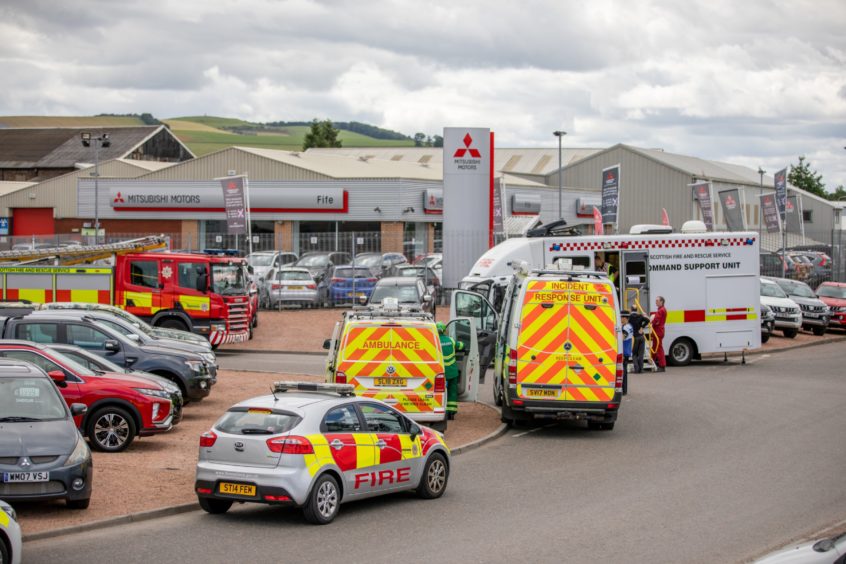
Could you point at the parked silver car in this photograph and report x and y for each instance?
(263, 261)
(302, 445)
(290, 286)
(815, 314)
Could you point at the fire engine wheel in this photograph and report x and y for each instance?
(323, 501)
(173, 323)
(433, 483)
(214, 506)
(110, 429)
(682, 351)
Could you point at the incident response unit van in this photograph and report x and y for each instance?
(559, 349)
(394, 355)
(709, 280)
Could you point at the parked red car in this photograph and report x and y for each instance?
(120, 406)
(833, 294)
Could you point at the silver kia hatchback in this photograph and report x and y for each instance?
(315, 446)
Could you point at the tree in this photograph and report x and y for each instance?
(321, 134)
(419, 139)
(838, 195)
(437, 141)
(803, 177)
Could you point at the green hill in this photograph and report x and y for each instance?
(205, 134)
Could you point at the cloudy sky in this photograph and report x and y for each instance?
(750, 82)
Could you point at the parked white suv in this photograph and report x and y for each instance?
(788, 316)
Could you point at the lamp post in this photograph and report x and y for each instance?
(98, 141)
(761, 173)
(560, 134)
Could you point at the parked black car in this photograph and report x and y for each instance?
(320, 263)
(409, 291)
(380, 264)
(187, 370)
(42, 454)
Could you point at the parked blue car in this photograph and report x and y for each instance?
(349, 285)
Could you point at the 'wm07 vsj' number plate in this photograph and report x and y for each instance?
(26, 476)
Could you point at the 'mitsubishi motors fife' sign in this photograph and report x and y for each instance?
(199, 198)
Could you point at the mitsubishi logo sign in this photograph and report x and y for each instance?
(119, 199)
(467, 148)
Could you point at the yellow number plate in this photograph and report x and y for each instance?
(237, 489)
(295, 287)
(397, 382)
(541, 393)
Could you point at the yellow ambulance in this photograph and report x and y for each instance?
(559, 349)
(394, 355)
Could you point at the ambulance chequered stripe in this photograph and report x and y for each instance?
(647, 244)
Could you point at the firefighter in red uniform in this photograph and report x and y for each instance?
(659, 319)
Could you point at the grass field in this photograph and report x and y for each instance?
(67, 121)
(205, 134)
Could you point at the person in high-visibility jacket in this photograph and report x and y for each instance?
(449, 346)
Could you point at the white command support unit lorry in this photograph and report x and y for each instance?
(709, 280)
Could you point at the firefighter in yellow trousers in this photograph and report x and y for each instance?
(449, 346)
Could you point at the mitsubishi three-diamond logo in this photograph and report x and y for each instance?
(119, 199)
(467, 149)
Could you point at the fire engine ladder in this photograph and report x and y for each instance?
(67, 256)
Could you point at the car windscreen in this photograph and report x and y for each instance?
(832, 292)
(772, 291)
(368, 261)
(30, 399)
(260, 259)
(313, 261)
(256, 421)
(352, 273)
(798, 289)
(293, 275)
(403, 294)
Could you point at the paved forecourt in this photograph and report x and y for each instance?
(711, 463)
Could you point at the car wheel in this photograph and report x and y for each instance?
(4, 552)
(77, 503)
(433, 483)
(601, 425)
(790, 333)
(440, 426)
(681, 352)
(110, 429)
(214, 506)
(819, 331)
(323, 501)
(765, 337)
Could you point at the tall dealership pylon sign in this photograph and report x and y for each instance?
(468, 229)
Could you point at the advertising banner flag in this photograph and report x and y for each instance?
(598, 228)
(770, 211)
(702, 195)
(732, 210)
(665, 219)
(498, 212)
(793, 215)
(780, 182)
(235, 204)
(610, 194)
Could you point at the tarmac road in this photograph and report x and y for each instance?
(273, 362)
(711, 463)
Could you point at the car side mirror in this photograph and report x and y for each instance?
(134, 337)
(427, 298)
(78, 409)
(327, 344)
(202, 282)
(414, 430)
(251, 270)
(111, 346)
(57, 376)
(362, 300)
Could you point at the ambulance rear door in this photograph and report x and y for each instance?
(469, 304)
(461, 330)
(331, 345)
(395, 362)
